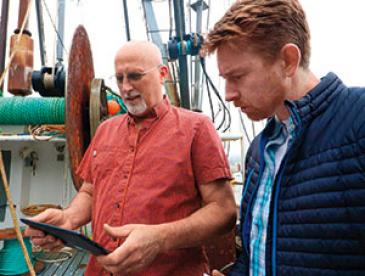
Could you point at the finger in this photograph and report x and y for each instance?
(118, 257)
(121, 231)
(217, 273)
(55, 246)
(124, 260)
(31, 232)
(39, 241)
(44, 216)
(43, 241)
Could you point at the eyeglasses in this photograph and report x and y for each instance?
(135, 76)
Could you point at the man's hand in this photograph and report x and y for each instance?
(217, 273)
(39, 238)
(141, 246)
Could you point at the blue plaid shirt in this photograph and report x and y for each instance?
(273, 154)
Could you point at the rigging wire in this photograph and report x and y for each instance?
(170, 18)
(244, 126)
(208, 17)
(174, 70)
(189, 9)
(229, 110)
(227, 147)
(148, 34)
(253, 129)
(210, 100)
(222, 105)
(54, 27)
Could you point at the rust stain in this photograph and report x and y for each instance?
(80, 75)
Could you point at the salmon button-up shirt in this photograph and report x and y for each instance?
(150, 175)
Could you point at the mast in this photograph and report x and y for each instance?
(183, 65)
(126, 20)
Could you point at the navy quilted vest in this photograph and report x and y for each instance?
(317, 219)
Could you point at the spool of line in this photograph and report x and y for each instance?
(11, 257)
(31, 110)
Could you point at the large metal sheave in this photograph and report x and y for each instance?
(80, 75)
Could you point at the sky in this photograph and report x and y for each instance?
(337, 39)
(338, 42)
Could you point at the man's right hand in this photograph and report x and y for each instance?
(217, 273)
(51, 216)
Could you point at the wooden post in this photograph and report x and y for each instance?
(14, 217)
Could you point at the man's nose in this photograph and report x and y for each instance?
(126, 85)
(231, 93)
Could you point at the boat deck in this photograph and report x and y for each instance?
(74, 265)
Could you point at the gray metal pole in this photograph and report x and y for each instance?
(3, 35)
(183, 65)
(126, 20)
(197, 97)
(60, 29)
(40, 25)
(152, 25)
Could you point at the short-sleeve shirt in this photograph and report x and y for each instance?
(150, 175)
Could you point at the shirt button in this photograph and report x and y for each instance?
(131, 149)
(116, 205)
(125, 176)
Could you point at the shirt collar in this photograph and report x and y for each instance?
(317, 100)
(274, 126)
(157, 112)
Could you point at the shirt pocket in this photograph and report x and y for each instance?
(103, 162)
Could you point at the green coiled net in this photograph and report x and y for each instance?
(31, 111)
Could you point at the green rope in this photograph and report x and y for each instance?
(32, 111)
(11, 257)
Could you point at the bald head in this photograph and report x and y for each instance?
(142, 52)
(140, 74)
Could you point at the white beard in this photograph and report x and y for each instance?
(136, 109)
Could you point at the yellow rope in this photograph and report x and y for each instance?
(14, 217)
(36, 209)
(16, 45)
(38, 131)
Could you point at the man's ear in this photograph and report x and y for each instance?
(164, 71)
(291, 56)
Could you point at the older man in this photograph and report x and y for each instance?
(156, 180)
(303, 202)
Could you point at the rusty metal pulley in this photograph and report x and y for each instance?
(79, 77)
(98, 111)
(86, 102)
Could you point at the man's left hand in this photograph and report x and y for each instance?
(141, 246)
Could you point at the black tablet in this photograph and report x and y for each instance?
(69, 238)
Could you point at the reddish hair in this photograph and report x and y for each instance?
(266, 25)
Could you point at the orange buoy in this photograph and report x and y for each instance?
(113, 107)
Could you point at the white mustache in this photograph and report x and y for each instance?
(132, 94)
